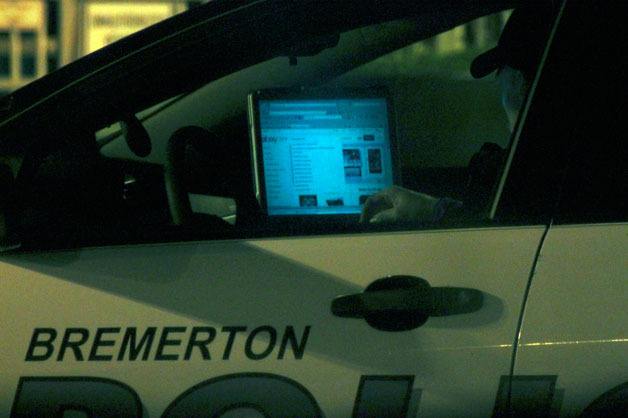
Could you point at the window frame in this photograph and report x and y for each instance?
(317, 231)
(530, 184)
(547, 178)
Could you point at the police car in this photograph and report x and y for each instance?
(180, 221)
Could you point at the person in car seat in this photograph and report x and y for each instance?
(515, 59)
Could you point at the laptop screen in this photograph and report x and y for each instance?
(321, 156)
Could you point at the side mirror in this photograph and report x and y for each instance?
(136, 136)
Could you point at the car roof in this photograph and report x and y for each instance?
(187, 51)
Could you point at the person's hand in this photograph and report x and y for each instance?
(397, 204)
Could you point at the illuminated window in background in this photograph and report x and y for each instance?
(5, 54)
(28, 67)
(22, 42)
(107, 21)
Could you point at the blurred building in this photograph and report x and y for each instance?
(23, 42)
(38, 36)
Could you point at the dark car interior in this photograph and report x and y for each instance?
(171, 160)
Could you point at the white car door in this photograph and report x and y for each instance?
(262, 308)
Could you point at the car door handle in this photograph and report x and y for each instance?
(401, 303)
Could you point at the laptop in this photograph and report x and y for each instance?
(321, 154)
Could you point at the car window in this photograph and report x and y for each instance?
(569, 157)
(451, 137)
(594, 188)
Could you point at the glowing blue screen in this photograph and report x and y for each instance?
(324, 156)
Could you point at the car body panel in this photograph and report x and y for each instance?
(456, 361)
(574, 326)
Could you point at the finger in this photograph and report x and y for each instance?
(385, 216)
(373, 205)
